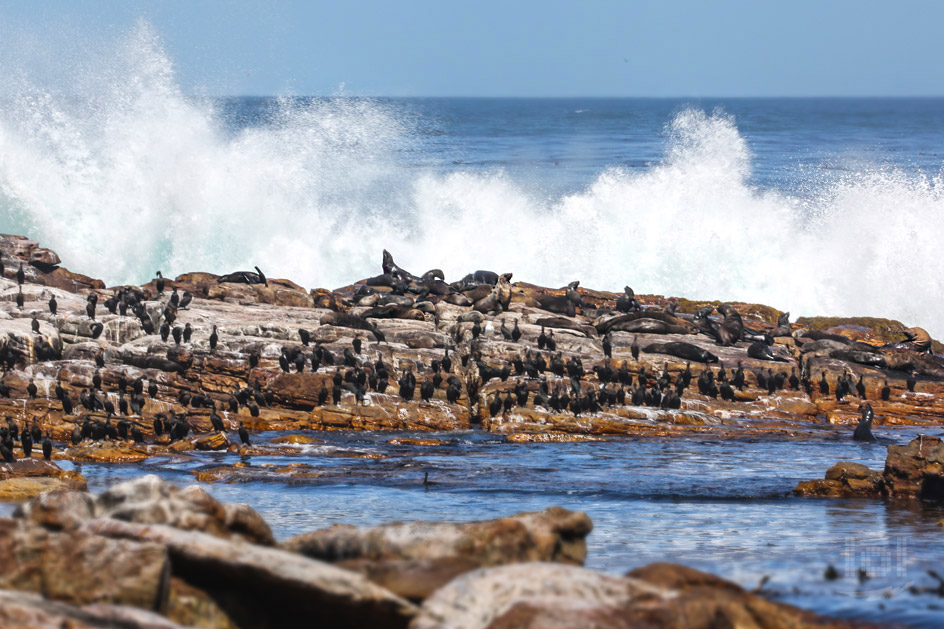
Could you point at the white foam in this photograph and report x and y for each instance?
(134, 176)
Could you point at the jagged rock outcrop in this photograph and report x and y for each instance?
(915, 470)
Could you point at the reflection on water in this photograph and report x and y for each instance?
(721, 506)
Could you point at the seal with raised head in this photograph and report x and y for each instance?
(863, 431)
(244, 277)
(498, 299)
(916, 339)
(565, 305)
(627, 301)
(783, 326)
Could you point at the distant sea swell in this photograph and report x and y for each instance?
(134, 176)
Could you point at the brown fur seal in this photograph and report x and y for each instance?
(565, 305)
(783, 326)
(503, 286)
(907, 360)
(761, 351)
(458, 299)
(479, 292)
(498, 299)
(390, 268)
(683, 350)
(605, 324)
(346, 320)
(393, 311)
(627, 301)
(916, 340)
(646, 325)
(244, 277)
(564, 324)
(732, 324)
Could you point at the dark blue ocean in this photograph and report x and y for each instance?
(817, 206)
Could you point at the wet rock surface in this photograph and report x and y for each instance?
(915, 470)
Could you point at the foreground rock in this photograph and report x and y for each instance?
(27, 478)
(915, 470)
(82, 568)
(415, 559)
(66, 565)
(542, 596)
(21, 609)
(266, 587)
(149, 500)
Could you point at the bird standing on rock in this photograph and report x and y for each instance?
(214, 337)
(53, 305)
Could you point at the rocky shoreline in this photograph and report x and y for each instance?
(522, 370)
(177, 557)
(130, 374)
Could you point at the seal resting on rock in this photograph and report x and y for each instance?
(761, 351)
(617, 323)
(681, 349)
(480, 277)
(566, 305)
(346, 320)
(244, 277)
(916, 339)
(562, 323)
(393, 311)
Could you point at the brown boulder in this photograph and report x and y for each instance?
(659, 596)
(27, 478)
(149, 500)
(44, 259)
(266, 587)
(916, 469)
(415, 559)
(80, 567)
(24, 609)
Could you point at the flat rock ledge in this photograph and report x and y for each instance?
(915, 470)
(148, 555)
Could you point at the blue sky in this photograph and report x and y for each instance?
(523, 48)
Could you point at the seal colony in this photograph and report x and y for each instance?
(221, 357)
